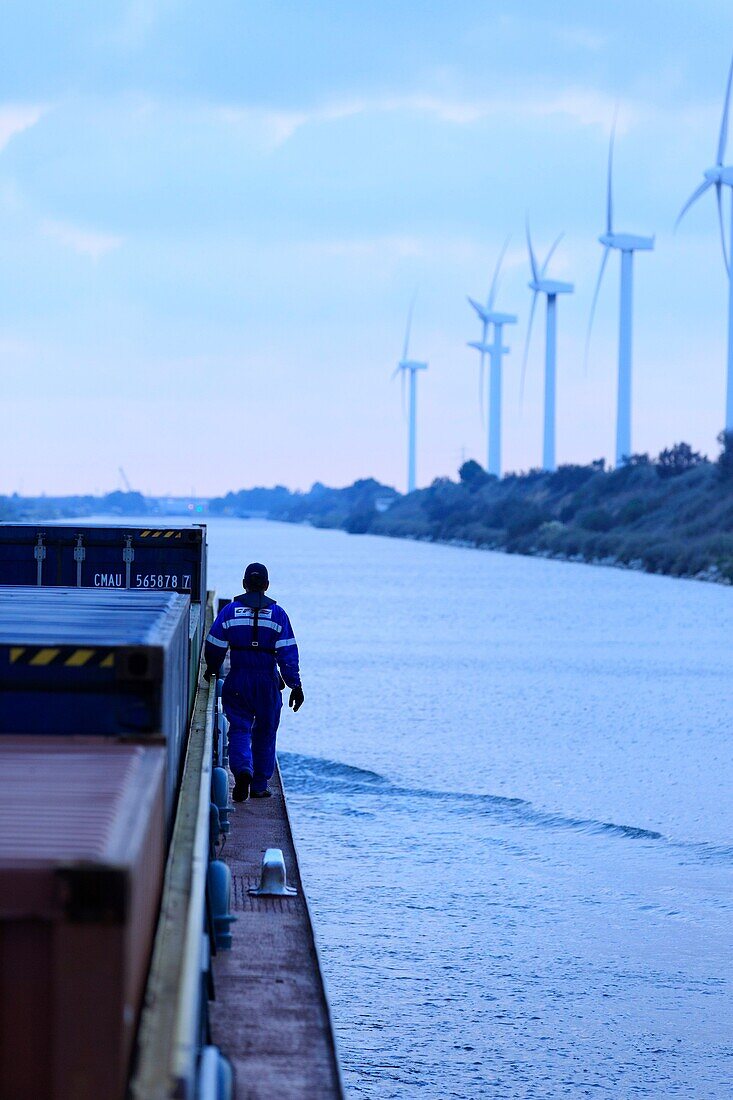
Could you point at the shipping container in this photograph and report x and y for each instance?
(80, 662)
(49, 613)
(86, 555)
(82, 849)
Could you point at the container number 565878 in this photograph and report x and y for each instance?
(162, 580)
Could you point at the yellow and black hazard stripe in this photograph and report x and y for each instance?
(161, 534)
(69, 656)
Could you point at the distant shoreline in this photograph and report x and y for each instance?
(672, 515)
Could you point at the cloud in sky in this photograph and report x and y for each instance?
(15, 118)
(137, 21)
(241, 202)
(86, 242)
(584, 106)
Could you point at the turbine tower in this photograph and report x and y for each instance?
(495, 352)
(550, 288)
(720, 176)
(627, 244)
(410, 366)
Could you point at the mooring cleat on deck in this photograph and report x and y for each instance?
(273, 877)
(241, 787)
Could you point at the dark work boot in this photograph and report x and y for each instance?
(241, 787)
(267, 793)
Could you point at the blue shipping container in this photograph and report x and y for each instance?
(50, 614)
(91, 556)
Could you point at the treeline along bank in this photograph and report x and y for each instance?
(672, 513)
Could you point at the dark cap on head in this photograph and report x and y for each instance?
(255, 576)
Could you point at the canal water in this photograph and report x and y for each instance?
(510, 786)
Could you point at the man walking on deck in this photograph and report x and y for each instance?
(263, 649)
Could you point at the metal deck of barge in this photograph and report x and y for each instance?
(271, 1015)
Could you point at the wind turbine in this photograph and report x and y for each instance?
(410, 366)
(627, 244)
(550, 288)
(495, 351)
(720, 176)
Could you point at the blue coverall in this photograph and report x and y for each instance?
(258, 633)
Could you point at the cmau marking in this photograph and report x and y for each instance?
(108, 580)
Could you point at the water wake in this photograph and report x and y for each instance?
(316, 775)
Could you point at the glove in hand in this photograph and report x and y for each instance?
(296, 699)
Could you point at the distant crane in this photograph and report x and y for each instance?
(125, 482)
(495, 352)
(410, 366)
(550, 288)
(720, 176)
(627, 244)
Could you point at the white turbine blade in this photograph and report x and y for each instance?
(396, 371)
(723, 138)
(593, 305)
(526, 346)
(495, 280)
(409, 326)
(721, 223)
(609, 191)
(551, 252)
(532, 257)
(476, 305)
(693, 199)
(406, 346)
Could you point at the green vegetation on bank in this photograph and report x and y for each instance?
(672, 514)
(353, 508)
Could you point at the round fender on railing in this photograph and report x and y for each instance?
(226, 1078)
(222, 741)
(220, 797)
(215, 1080)
(215, 829)
(219, 886)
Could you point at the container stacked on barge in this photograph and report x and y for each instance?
(111, 664)
(97, 687)
(95, 556)
(103, 557)
(82, 850)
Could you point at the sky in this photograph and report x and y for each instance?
(214, 216)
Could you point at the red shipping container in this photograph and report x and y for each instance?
(82, 851)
